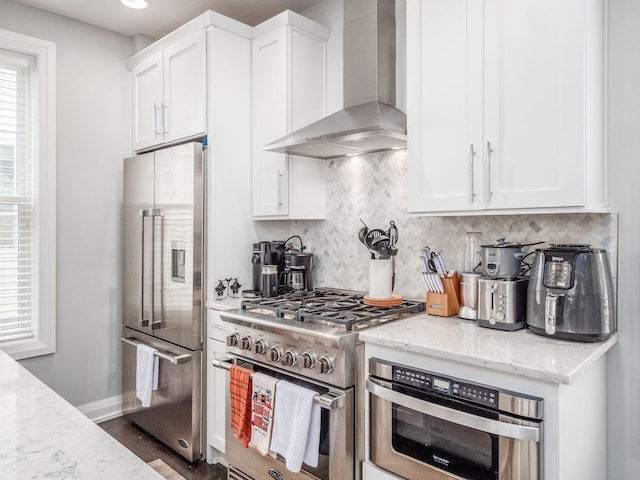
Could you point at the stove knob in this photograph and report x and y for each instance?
(232, 340)
(308, 359)
(324, 365)
(245, 343)
(259, 347)
(274, 354)
(289, 358)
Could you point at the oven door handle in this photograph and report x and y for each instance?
(496, 427)
(331, 400)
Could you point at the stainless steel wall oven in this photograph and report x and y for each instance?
(429, 426)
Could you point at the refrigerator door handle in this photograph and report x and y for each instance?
(142, 322)
(174, 359)
(153, 213)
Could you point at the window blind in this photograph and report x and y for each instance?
(17, 207)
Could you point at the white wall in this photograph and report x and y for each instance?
(623, 363)
(92, 139)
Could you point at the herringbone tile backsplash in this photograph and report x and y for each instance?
(373, 188)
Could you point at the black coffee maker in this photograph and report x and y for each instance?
(293, 267)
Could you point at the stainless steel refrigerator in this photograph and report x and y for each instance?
(163, 274)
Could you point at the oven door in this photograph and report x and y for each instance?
(336, 459)
(421, 436)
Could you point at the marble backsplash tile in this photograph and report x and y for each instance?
(373, 188)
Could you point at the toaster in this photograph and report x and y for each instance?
(502, 303)
(570, 294)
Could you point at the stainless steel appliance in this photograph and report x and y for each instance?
(571, 295)
(369, 122)
(504, 259)
(502, 304)
(309, 338)
(163, 275)
(429, 426)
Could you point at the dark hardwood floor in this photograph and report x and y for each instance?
(148, 449)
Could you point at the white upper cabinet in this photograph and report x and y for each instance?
(169, 92)
(505, 106)
(289, 92)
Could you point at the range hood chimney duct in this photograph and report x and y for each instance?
(369, 121)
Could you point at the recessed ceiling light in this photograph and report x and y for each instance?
(137, 4)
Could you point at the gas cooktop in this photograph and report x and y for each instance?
(332, 307)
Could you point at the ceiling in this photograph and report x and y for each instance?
(164, 16)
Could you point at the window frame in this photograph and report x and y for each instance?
(43, 341)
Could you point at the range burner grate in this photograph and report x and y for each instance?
(335, 307)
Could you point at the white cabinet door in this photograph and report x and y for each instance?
(147, 92)
(169, 93)
(289, 92)
(307, 105)
(185, 78)
(500, 115)
(444, 105)
(270, 170)
(216, 396)
(534, 103)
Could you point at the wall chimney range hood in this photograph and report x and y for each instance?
(369, 121)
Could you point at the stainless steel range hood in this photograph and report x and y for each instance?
(369, 122)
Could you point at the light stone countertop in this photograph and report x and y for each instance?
(44, 436)
(229, 303)
(521, 352)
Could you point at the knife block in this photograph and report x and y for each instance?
(448, 303)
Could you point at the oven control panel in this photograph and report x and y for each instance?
(308, 358)
(446, 386)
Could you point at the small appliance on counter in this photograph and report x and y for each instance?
(504, 259)
(502, 291)
(570, 294)
(280, 267)
(264, 253)
(502, 303)
(469, 277)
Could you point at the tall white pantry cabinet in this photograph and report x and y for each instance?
(196, 83)
(506, 106)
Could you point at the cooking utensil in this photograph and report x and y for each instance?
(362, 234)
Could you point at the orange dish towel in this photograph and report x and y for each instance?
(240, 389)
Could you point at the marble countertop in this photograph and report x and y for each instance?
(43, 436)
(521, 352)
(229, 303)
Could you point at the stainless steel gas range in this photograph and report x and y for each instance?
(309, 338)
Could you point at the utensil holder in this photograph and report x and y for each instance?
(380, 278)
(448, 303)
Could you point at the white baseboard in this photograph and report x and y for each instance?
(103, 410)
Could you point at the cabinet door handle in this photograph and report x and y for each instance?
(155, 119)
(165, 131)
(489, 152)
(280, 181)
(472, 154)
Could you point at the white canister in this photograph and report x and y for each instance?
(380, 278)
